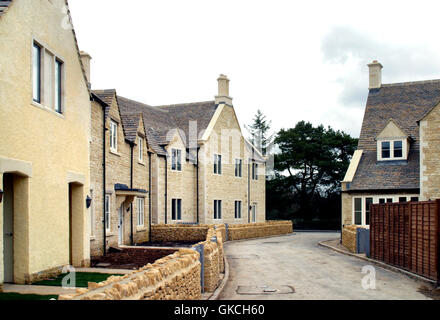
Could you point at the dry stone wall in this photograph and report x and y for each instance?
(167, 232)
(258, 230)
(174, 277)
(349, 237)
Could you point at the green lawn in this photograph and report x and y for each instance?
(82, 279)
(17, 296)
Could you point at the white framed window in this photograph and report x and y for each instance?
(176, 159)
(47, 78)
(217, 164)
(237, 210)
(361, 205)
(254, 171)
(107, 212)
(113, 136)
(396, 149)
(239, 168)
(141, 149)
(36, 72)
(176, 209)
(217, 209)
(140, 204)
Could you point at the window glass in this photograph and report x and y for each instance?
(140, 207)
(398, 149)
(107, 212)
(173, 159)
(402, 199)
(389, 200)
(381, 201)
(179, 160)
(368, 202)
(58, 86)
(385, 149)
(113, 135)
(357, 210)
(415, 199)
(215, 163)
(217, 209)
(36, 73)
(141, 149)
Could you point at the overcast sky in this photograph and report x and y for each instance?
(295, 60)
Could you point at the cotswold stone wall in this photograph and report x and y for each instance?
(213, 258)
(349, 237)
(174, 277)
(167, 232)
(257, 230)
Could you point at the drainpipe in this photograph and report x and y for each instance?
(249, 191)
(197, 182)
(104, 182)
(149, 196)
(131, 187)
(166, 189)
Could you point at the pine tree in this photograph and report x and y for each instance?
(259, 132)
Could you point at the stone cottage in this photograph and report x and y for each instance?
(44, 150)
(120, 161)
(397, 159)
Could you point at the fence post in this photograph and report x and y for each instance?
(200, 248)
(226, 232)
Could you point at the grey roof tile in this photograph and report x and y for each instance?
(405, 104)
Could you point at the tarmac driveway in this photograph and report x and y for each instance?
(296, 267)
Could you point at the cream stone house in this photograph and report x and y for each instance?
(202, 168)
(120, 161)
(44, 150)
(397, 159)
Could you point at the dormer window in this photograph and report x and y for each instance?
(392, 143)
(392, 150)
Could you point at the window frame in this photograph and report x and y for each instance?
(140, 206)
(238, 171)
(113, 133)
(140, 149)
(36, 81)
(392, 149)
(217, 209)
(107, 210)
(217, 164)
(238, 213)
(176, 159)
(176, 209)
(254, 171)
(48, 88)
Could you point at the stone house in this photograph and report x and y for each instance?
(203, 169)
(44, 151)
(397, 159)
(120, 211)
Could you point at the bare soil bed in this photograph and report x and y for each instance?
(130, 258)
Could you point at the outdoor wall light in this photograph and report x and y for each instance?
(88, 202)
(1, 195)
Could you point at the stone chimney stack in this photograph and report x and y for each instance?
(375, 75)
(85, 58)
(223, 91)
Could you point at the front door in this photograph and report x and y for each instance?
(254, 213)
(8, 228)
(121, 225)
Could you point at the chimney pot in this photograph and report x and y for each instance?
(223, 90)
(375, 76)
(85, 58)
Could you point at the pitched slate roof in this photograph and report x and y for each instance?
(405, 104)
(4, 6)
(162, 121)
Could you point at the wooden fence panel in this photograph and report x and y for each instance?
(406, 235)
